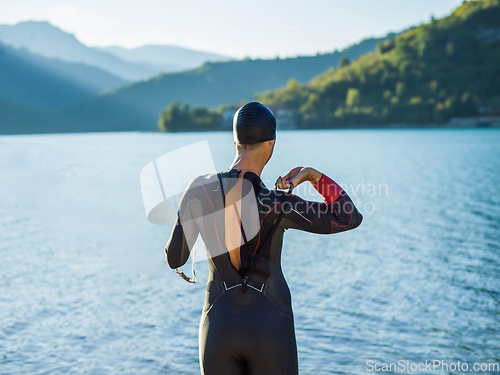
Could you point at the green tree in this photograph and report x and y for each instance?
(176, 117)
(400, 88)
(344, 61)
(353, 97)
(173, 117)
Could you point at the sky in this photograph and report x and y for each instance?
(255, 29)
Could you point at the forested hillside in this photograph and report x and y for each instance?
(429, 74)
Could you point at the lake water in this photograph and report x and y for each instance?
(84, 287)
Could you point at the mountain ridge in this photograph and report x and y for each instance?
(29, 79)
(172, 58)
(136, 106)
(42, 38)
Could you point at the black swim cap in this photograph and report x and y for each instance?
(254, 123)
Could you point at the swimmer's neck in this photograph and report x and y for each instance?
(248, 163)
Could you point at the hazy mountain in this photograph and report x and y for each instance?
(37, 81)
(46, 40)
(130, 64)
(167, 58)
(137, 106)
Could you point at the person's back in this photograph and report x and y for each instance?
(247, 322)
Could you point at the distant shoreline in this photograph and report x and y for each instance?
(483, 122)
(480, 122)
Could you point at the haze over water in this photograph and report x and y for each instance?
(85, 289)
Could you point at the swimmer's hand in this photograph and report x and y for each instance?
(297, 176)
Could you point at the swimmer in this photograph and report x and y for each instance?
(247, 324)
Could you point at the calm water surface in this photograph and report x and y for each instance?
(84, 288)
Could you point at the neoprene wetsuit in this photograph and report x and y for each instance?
(250, 330)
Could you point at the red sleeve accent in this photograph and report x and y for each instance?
(328, 189)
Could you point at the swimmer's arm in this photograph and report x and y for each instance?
(337, 214)
(345, 215)
(177, 249)
(184, 234)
